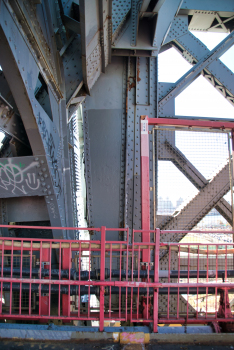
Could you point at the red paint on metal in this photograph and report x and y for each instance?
(145, 188)
(66, 264)
(102, 278)
(232, 171)
(191, 123)
(225, 311)
(145, 205)
(132, 338)
(115, 316)
(45, 298)
(156, 280)
(130, 308)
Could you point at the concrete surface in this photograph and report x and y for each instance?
(26, 345)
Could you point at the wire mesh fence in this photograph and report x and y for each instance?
(188, 288)
(193, 182)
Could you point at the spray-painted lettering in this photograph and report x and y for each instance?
(49, 140)
(15, 177)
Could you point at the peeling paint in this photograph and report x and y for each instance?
(116, 337)
(134, 338)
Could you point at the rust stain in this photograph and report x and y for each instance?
(132, 85)
(126, 106)
(129, 87)
(138, 70)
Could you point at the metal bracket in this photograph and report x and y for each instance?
(146, 264)
(44, 263)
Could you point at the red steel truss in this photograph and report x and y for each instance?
(60, 293)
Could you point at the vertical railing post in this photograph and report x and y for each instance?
(231, 181)
(145, 203)
(66, 265)
(156, 279)
(102, 277)
(145, 186)
(45, 259)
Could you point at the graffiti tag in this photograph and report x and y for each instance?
(12, 177)
(49, 140)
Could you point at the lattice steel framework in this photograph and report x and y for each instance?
(57, 56)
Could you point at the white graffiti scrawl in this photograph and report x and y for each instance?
(15, 177)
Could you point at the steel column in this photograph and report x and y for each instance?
(145, 195)
(102, 278)
(156, 279)
(66, 264)
(45, 298)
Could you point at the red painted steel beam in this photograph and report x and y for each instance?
(145, 188)
(119, 284)
(57, 228)
(66, 264)
(45, 255)
(156, 280)
(44, 299)
(191, 123)
(145, 210)
(102, 278)
(232, 171)
(115, 315)
(88, 229)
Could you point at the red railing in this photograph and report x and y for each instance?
(106, 281)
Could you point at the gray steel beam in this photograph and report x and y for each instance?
(216, 72)
(194, 72)
(194, 211)
(201, 203)
(208, 5)
(31, 209)
(223, 24)
(130, 97)
(225, 209)
(166, 10)
(109, 94)
(158, 5)
(91, 41)
(16, 84)
(135, 13)
(75, 153)
(25, 13)
(171, 152)
(104, 144)
(141, 99)
(21, 67)
(192, 49)
(72, 64)
(71, 24)
(5, 92)
(11, 123)
(55, 59)
(120, 11)
(55, 160)
(4, 218)
(101, 21)
(145, 4)
(19, 177)
(178, 28)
